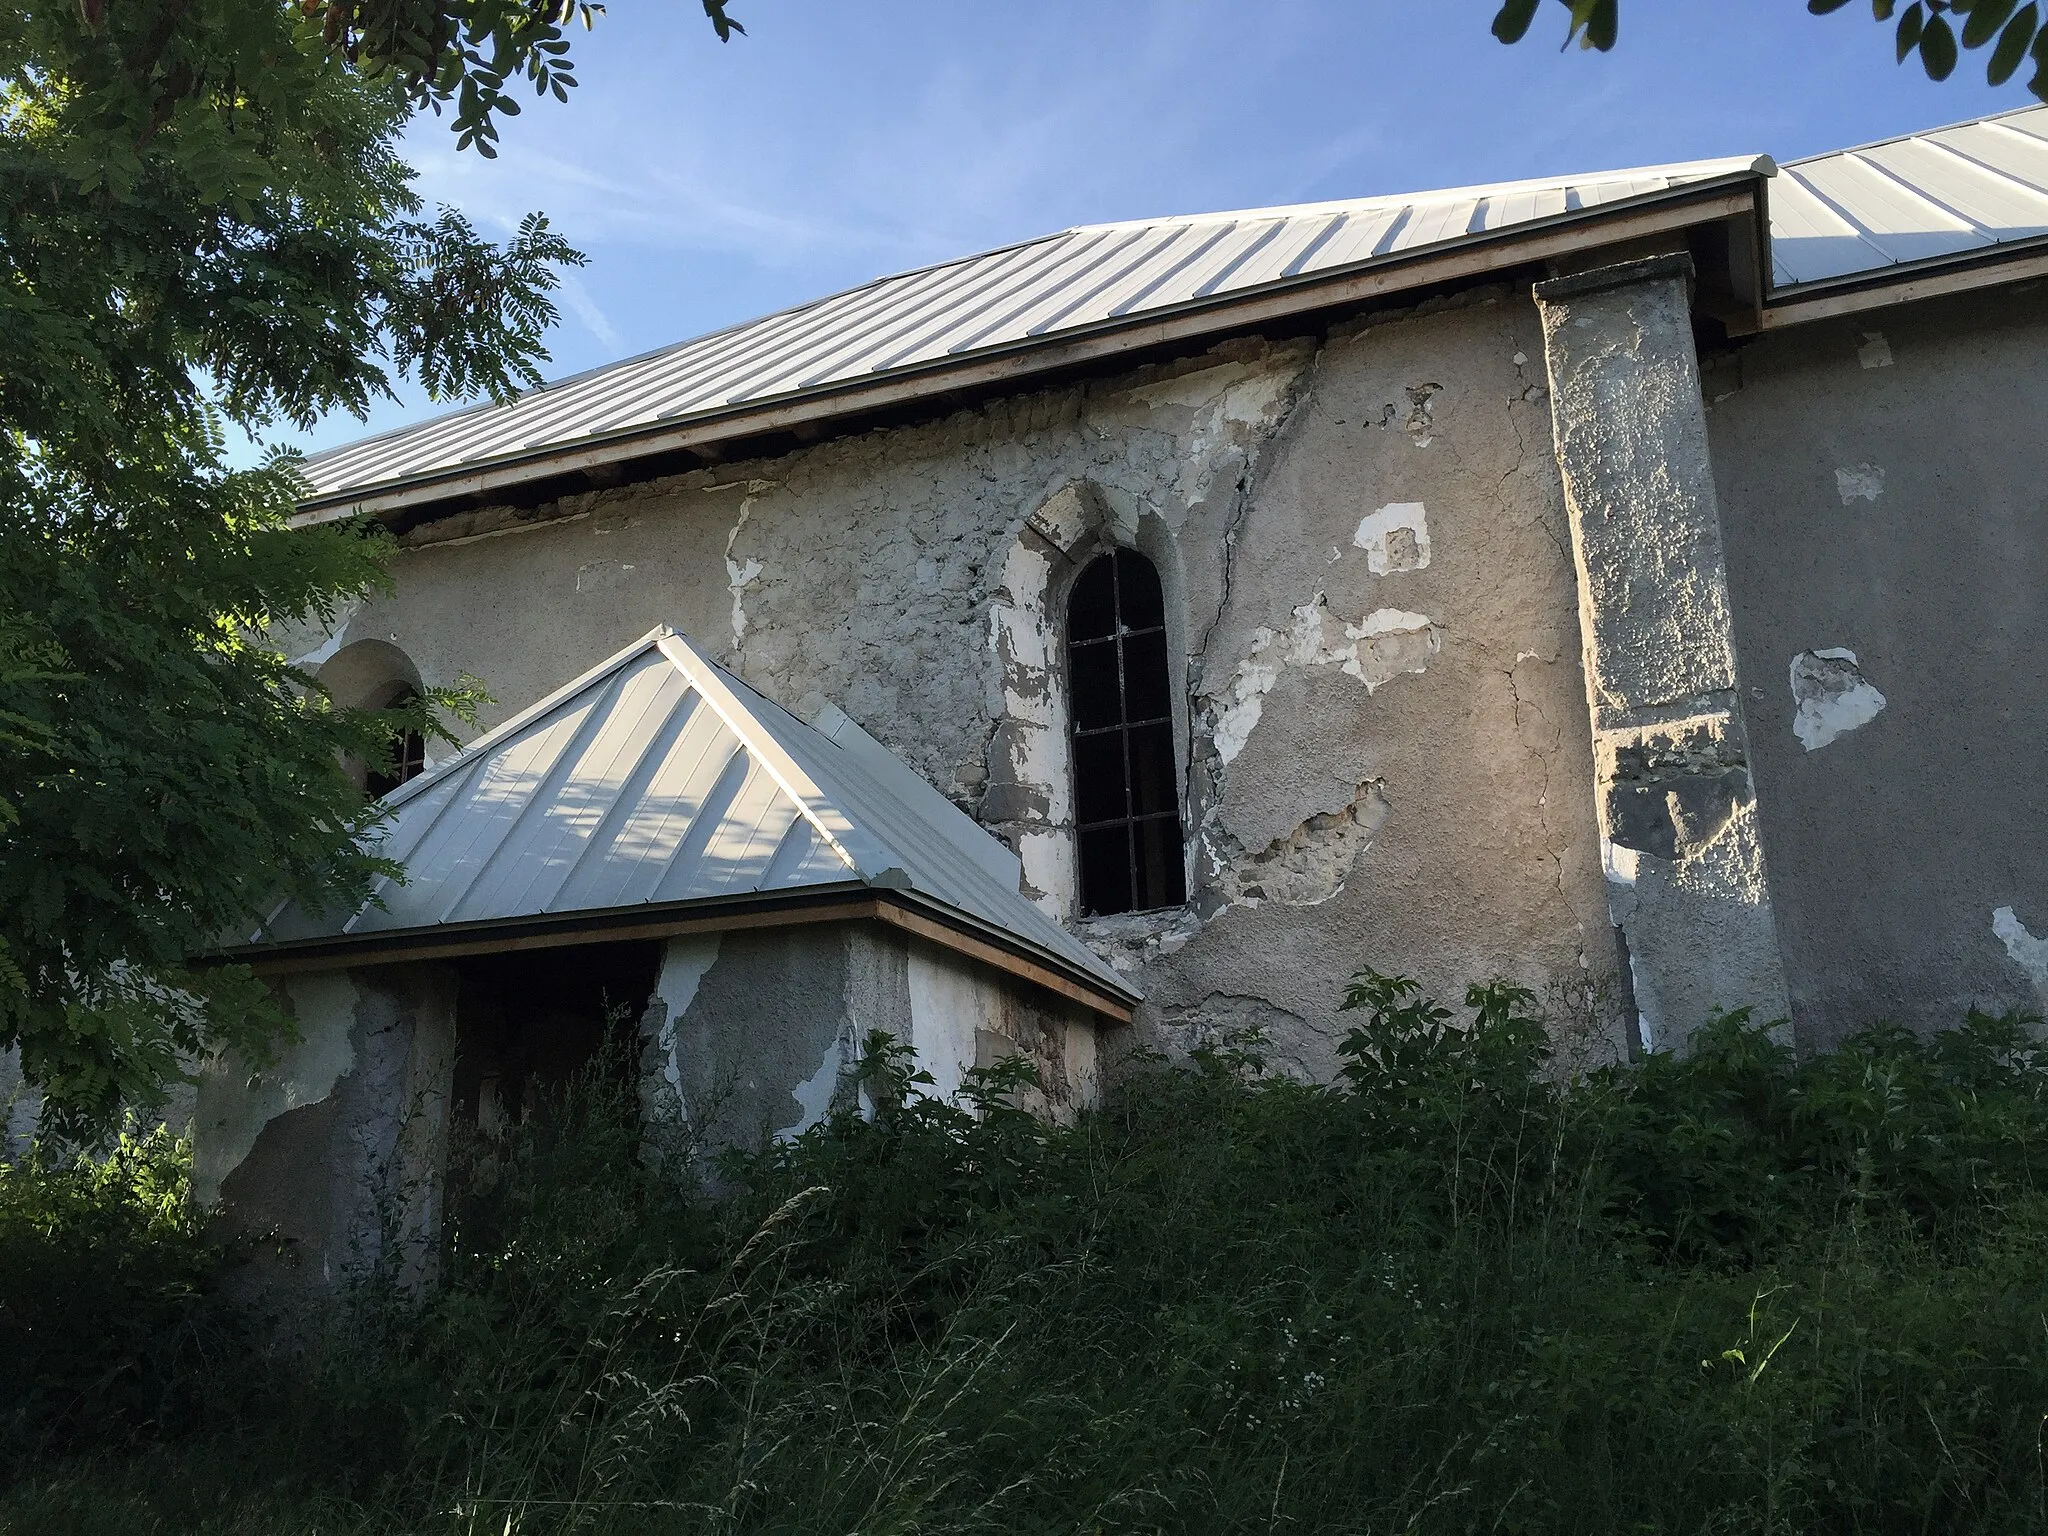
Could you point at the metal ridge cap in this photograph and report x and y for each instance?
(322, 507)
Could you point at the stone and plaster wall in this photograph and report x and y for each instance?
(756, 1034)
(1685, 867)
(1884, 486)
(334, 1154)
(1368, 572)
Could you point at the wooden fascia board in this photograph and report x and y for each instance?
(605, 928)
(1706, 203)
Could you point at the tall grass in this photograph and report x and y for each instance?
(1453, 1292)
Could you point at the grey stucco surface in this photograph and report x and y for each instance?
(1884, 483)
(344, 1176)
(768, 1040)
(1385, 758)
(779, 1009)
(1685, 868)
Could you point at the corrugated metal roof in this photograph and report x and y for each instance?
(1945, 193)
(659, 778)
(1922, 197)
(1040, 289)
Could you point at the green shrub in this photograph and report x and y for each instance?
(1454, 1291)
(104, 1277)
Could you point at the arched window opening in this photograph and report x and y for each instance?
(408, 753)
(1126, 798)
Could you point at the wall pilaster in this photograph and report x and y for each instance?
(1686, 880)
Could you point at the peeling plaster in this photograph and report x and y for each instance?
(1859, 482)
(2028, 953)
(1378, 648)
(1830, 697)
(684, 962)
(741, 575)
(1875, 352)
(814, 1094)
(1395, 538)
(325, 1007)
(1310, 864)
(949, 1005)
(325, 651)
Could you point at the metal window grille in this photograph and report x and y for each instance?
(408, 755)
(1126, 793)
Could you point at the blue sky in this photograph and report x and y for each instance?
(842, 139)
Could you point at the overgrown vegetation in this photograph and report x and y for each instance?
(1450, 1293)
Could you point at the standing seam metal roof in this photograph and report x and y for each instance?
(1946, 193)
(659, 779)
(1039, 289)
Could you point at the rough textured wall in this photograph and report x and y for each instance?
(1686, 881)
(757, 1034)
(338, 1148)
(1383, 734)
(1884, 490)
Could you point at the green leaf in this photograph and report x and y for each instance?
(1604, 24)
(1881, 10)
(1825, 7)
(1938, 48)
(2019, 33)
(1986, 17)
(1511, 21)
(1910, 26)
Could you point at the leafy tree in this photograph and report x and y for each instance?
(1936, 30)
(205, 228)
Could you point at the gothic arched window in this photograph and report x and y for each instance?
(408, 752)
(1126, 797)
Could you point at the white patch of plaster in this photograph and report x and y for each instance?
(948, 1004)
(1619, 863)
(1521, 359)
(684, 962)
(2028, 953)
(1047, 858)
(1395, 538)
(814, 1094)
(234, 1104)
(1378, 648)
(1875, 352)
(1859, 482)
(739, 576)
(1830, 697)
(325, 651)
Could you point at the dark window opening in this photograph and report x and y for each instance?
(529, 1021)
(1126, 799)
(408, 754)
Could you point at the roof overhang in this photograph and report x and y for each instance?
(1908, 283)
(1724, 212)
(852, 901)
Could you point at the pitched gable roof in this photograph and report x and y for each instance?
(1947, 195)
(1018, 297)
(660, 783)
